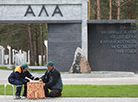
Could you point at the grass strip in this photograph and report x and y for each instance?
(100, 91)
(91, 90)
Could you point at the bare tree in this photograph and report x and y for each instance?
(31, 45)
(89, 17)
(119, 9)
(98, 10)
(36, 45)
(42, 49)
(110, 10)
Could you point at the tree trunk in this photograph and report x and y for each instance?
(98, 10)
(114, 12)
(110, 9)
(31, 46)
(46, 46)
(45, 55)
(130, 11)
(36, 42)
(119, 9)
(46, 27)
(135, 14)
(94, 13)
(42, 49)
(89, 17)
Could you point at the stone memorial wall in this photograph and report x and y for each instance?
(64, 13)
(113, 47)
(63, 39)
(109, 45)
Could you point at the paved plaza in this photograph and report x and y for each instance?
(84, 80)
(74, 99)
(131, 80)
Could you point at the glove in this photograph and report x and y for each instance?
(37, 78)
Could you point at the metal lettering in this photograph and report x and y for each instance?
(57, 11)
(43, 9)
(29, 11)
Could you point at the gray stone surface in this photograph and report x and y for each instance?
(71, 99)
(84, 32)
(41, 21)
(112, 21)
(63, 39)
(15, 10)
(110, 78)
(100, 74)
(113, 47)
(41, 2)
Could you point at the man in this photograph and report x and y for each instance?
(52, 80)
(17, 77)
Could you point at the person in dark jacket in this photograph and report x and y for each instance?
(52, 80)
(17, 77)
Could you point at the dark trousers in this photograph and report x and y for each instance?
(19, 84)
(53, 93)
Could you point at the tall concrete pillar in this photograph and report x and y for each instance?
(84, 34)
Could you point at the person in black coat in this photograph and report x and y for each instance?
(52, 80)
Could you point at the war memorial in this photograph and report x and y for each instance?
(109, 45)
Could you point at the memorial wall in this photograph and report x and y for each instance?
(67, 25)
(109, 45)
(113, 47)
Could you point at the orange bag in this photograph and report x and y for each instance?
(35, 90)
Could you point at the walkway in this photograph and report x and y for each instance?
(10, 99)
(67, 80)
(82, 81)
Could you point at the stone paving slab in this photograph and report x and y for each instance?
(72, 99)
(101, 81)
(99, 74)
(69, 80)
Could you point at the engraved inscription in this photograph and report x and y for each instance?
(123, 40)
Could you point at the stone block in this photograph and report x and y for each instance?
(80, 63)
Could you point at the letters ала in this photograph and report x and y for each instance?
(43, 9)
